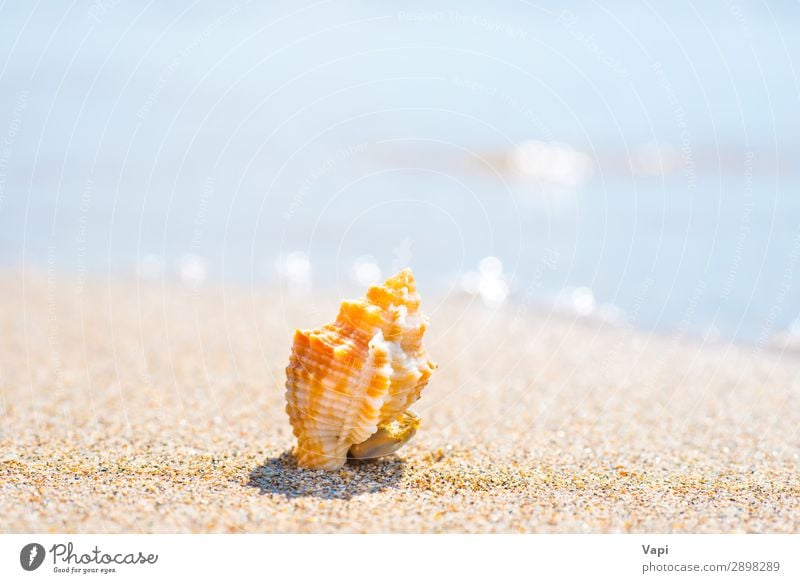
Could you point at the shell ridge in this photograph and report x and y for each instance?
(370, 373)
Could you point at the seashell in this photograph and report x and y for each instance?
(349, 384)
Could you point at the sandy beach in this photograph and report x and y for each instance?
(137, 407)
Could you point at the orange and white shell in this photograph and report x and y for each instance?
(350, 383)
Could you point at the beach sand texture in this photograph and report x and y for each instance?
(132, 407)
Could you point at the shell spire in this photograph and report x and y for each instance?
(349, 384)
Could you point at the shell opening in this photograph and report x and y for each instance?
(387, 439)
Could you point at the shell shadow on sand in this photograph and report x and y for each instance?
(280, 475)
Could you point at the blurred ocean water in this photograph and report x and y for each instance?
(632, 162)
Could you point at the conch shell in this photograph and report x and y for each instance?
(349, 384)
